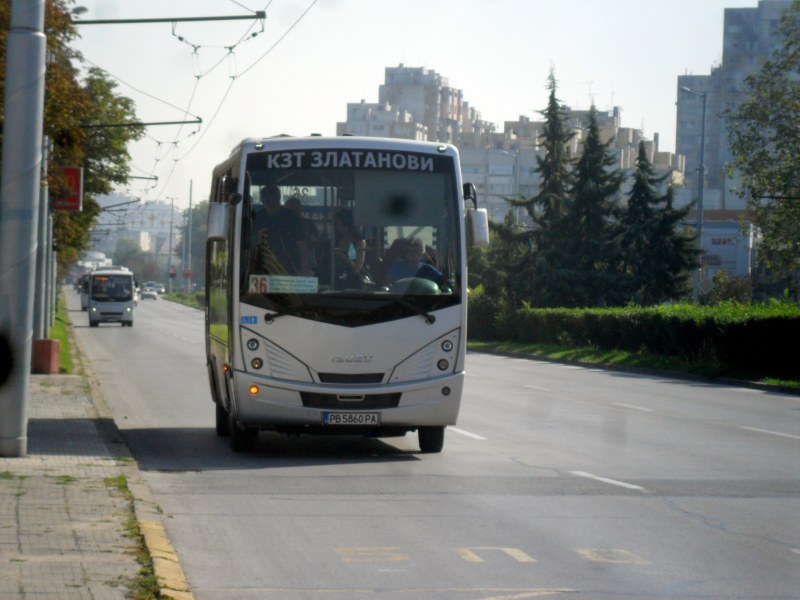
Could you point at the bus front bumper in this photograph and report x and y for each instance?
(269, 403)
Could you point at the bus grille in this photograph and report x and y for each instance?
(350, 401)
(351, 377)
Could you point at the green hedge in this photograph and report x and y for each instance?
(745, 338)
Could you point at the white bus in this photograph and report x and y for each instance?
(338, 329)
(111, 296)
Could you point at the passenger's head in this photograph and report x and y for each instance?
(271, 197)
(415, 250)
(294, 205)
(343, 220)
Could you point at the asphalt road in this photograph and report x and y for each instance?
(557, 480)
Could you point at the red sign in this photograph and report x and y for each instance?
(74, 178)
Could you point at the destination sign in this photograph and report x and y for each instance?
(351, 159)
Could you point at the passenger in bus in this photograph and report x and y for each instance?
(280, 247)
(310, 231)
(411, 264)
(349, 250)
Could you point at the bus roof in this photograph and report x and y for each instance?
(347, 141)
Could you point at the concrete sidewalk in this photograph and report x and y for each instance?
(64, 517)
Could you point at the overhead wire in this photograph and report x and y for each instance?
(174, 144)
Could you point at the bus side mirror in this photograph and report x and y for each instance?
(228, 190)
(218, 217)
(477, 227)
(471, 194)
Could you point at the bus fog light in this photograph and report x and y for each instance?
(447, 345)
(257, 363)
(445, 391)
(252, 344)
(442, 364)
(253, 390)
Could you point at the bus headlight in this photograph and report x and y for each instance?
(252, 344)
(257, 363)
(442, 364)
(447, 345)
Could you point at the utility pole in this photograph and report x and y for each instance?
(701, 173)
(169, 256)
(39, 304)
(189, 244)
(21, 168)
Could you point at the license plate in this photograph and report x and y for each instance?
(351, 418)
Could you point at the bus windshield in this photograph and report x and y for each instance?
(112, 288)
(349, 236)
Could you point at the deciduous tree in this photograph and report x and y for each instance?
(764, 133)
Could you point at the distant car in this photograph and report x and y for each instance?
(149, 292)
(158, 287)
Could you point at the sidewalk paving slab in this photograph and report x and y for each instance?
(63, 519)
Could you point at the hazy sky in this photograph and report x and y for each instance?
(313, 57)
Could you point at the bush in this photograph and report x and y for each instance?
(744, 338)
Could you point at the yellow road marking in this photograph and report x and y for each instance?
(469, 554)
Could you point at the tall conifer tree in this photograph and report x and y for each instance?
(588, 257)
(546, 208)
(657, 257)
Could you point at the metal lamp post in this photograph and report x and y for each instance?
(516, 178)
(701, 172)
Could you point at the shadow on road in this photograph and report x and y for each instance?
(200, 449)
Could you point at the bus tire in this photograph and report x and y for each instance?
(242, 439)
(221, 421)
(431, 439)
(93, 323)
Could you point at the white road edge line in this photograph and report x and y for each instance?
(778, 433)
(632, 406)
(474, 436)
(629, 486)
(536, 387)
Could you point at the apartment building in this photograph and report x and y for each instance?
(419, 104)
(750, 35)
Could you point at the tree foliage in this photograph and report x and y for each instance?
(584, 249)
(533, 271)
(764, 133)
(70, 103)
(587, 257)
(656, 256)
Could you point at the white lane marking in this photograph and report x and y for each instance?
(778, 433)
(536, 387)
(632, 406)
(474, 436)
(796, 550)
(629, 486)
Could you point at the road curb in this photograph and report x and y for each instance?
(166, 566)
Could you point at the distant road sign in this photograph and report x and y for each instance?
(74, 201)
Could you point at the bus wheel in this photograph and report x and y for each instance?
(222, 421)
(431, 439)
(242, 439)
(93, 323)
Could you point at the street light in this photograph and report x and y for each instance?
(700, 176)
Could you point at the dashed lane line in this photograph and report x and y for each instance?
(767, 431)
(463, 432)
(623, 484)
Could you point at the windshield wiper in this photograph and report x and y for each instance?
(429, 318)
